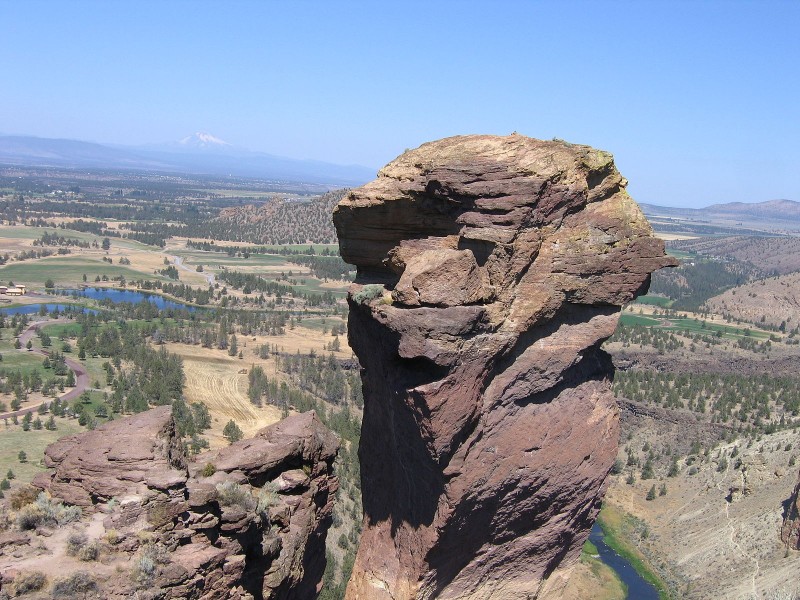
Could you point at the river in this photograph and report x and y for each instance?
(638, 587)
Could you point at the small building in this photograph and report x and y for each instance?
(15, 291)
(3, 289)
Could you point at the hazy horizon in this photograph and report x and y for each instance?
(695, 100)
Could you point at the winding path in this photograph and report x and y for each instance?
(178, 262)
(81, 375)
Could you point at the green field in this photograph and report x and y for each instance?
(661, 301)
(628, 319)
(16, 360)
(692, 325)
(681, 255)
(33, 442)
(23, 232)
(320, 323)
(67, 271)
(56, 330)
(303, 248)
(314, 286)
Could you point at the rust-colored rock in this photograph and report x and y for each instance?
(490, 269)
(790, 532)
(247, 521)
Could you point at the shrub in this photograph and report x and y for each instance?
(143, 570)
(29, 517)
(147, 562)
(46, 512)
(267, 497)
(230, 493)
(23, 496)
(89, 552)
(79, 583)
(29, 582)
(75, 542)
(113, 537)
(208, 470)
(368, 292)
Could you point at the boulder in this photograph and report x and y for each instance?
(255, 528)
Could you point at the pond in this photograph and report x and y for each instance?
(638, 587)
(108, 294)
(134, 297)
(33, 309)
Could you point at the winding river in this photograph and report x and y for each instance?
(638, 587)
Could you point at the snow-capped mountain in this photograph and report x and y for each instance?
(204, 141)
(198, 153)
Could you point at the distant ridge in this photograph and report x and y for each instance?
(786, 211)
(200, 153)
(772, 209)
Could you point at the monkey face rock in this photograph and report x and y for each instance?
(490, 270)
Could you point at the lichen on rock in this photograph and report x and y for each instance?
(489, 425)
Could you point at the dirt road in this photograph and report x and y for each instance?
(81, 375)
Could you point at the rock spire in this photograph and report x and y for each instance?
(490, 270)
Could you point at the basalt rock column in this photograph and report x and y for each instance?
(490, 269)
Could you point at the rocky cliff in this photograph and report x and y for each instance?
(248, 521)
(790, 532)
(490, 269)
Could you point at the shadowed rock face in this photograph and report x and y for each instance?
(490, 269)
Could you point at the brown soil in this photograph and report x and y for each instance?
(775, 300)
(715, 545)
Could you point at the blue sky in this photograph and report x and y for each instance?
(698, 101)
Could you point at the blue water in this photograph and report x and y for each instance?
(638, 588)
(33, 309)
(115, 296)
(131, 296)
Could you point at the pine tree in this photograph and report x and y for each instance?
(233, 347)
(647, 470)
(232, 432)
(651, 495)
(673, 468)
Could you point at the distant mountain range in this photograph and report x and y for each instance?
(201, 153)
(786, 212)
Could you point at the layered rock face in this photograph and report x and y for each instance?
(490, 269)
(248, 521)
(790, 532)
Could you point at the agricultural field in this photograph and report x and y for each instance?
(33, 443)
(220, 383)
